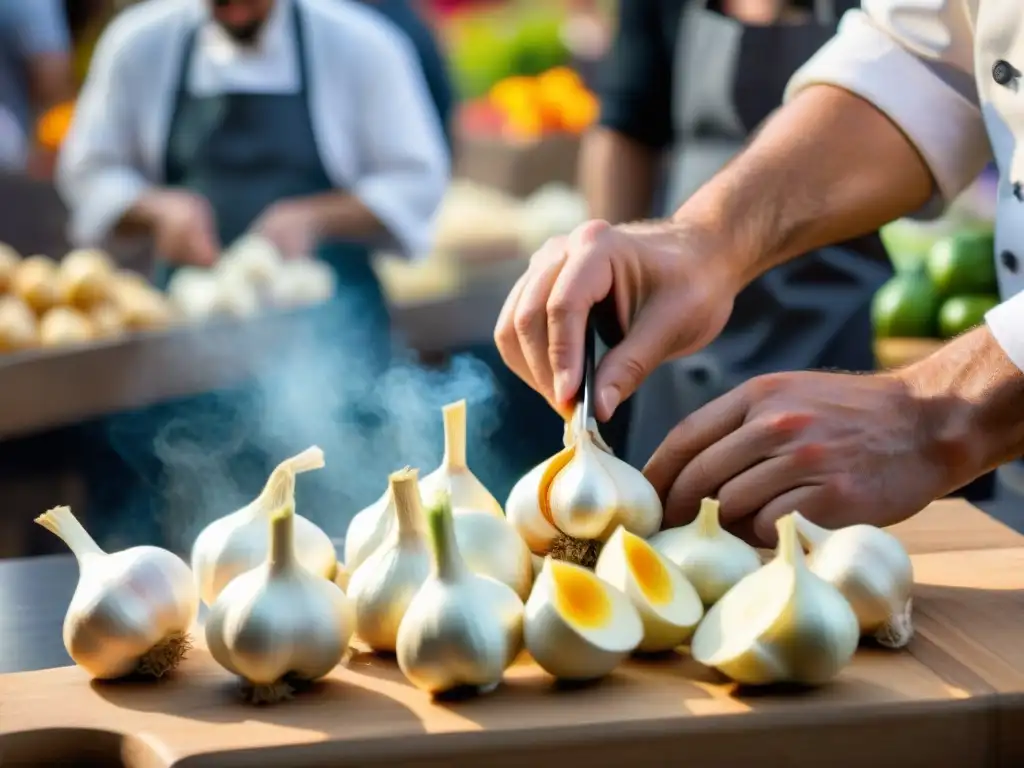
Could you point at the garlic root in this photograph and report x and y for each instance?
(165, 655)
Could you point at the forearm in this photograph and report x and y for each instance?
(825, 168)
(617, 175)
(341, 215)
(972, 398)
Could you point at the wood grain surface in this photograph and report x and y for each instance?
(952, 699)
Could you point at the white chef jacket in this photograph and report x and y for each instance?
(375, 129)
(947, 72)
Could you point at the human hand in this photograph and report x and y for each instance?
(292, 225)
(839, 448)
(183, 228)
(673, 287)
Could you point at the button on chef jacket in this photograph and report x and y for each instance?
(375, 129)
(948, 73)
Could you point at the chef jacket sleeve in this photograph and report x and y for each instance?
(914, 60)
(1006, 322)
(405, 161)
(97, 173)
(635, 80)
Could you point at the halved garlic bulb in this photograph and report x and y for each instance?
(872, 570)
(279, 624)
(368, 529)
(240, 541)
(570, 504)
(454, 475)
(711, 558)
(461, 629)
(669, 606)
(781, 624)
(131, 611)
(491, 547)
(384, 585)
(578, 626)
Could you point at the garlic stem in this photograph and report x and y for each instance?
(708, 523)
(61, 522)
(454, 415)
(405, 490)
(448, 564)
(282, 540)
(811, 534)
(280, 485)
(789, 549)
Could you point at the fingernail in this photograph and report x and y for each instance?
(562, 387)
(609, 399)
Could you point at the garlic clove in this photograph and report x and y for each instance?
(578, 626)
(781, 624)
(240, 541)
(524, 512)
(872, 570)
(711, 558)
(638, 507)
(454, 475)
(491, 547)
(669, 606)
(386, 582)
(368, 530)
(582, 496)
(279, 623)
(131, 611)
(461, 629)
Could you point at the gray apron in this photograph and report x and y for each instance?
(243, 152)
(810, 313)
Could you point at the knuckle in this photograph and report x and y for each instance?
(810, 455)
(764, 386)
(631, 370)
(560, 308)
(505, 337)
(785, 424)
(552, 247)
(588, 233)
(526, 319)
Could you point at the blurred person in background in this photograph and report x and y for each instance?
(685, 84)
(407, 16)
(35, 75)
(306, 121)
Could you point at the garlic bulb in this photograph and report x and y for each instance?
(107, 321)
(461, 629)
(36, 282)
(368, 530)
(240, 541)
(253, 260)
(64, 325)
(131, 611)
(578, 626)
(85, 277)
(491, 547)
(279, 624)
(669, 606)
(384, 585)
(454, 476)
(19, 328)
(303, 283)
(781, 624)
(9, 260)
(580, 496)
(872, 570)
(194, 292)
(711, 558)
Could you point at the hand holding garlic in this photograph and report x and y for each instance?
(780, 624)
(872, 570)
(240, 541)
(131, 611)
(461, 629)
(280, 623)
(569, 505)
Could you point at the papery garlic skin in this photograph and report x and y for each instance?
(461, 629)
(368, 530)
(781, 624)
(239, 542)
(454, 476)
(669, 606)
(279, 622)
(577, 626)
(872, 570)
(131, 611)
(712, 559)
(382, 588)
(491, 547)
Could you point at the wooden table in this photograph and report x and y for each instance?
(954, 698)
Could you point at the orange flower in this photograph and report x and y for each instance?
(53, 125)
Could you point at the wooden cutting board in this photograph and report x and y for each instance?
(951, 699)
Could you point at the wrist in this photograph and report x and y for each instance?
(970, 398)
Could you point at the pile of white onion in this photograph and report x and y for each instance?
(249, 278)
(436, 575)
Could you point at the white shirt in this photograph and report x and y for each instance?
(928, 65)
(376, 131)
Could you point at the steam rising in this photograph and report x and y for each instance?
(213, 455)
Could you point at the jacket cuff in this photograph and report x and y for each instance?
(1006, 323)
(409, 218)
(98, 208)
